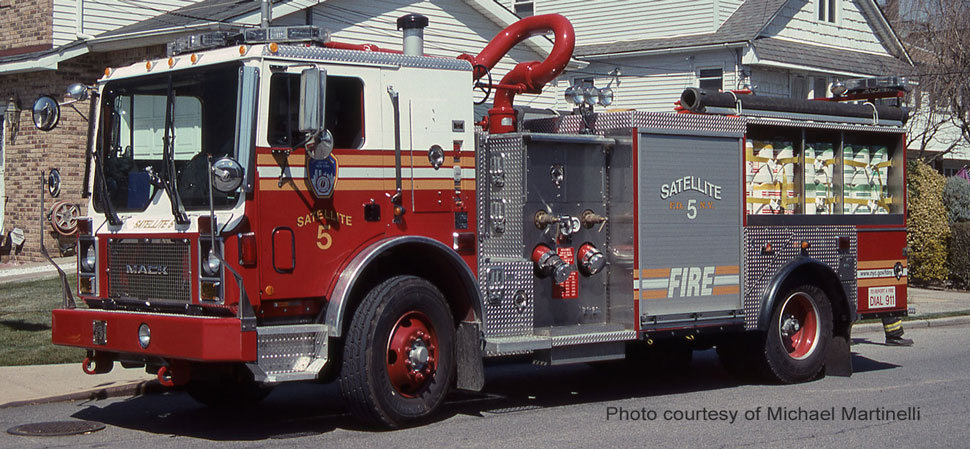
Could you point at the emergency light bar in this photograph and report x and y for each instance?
(221, 39)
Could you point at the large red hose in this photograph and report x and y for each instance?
(526, 77)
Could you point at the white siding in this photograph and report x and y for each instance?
(775, 83)
(798, 21)
(104, 15)
(725, 9)
(655, 83)
(604, 21)
(454, 28)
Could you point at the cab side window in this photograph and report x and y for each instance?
(345, 111)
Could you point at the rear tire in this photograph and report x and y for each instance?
(798, 335)
(399, 353)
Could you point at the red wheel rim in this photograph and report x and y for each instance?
(412, 351)
(798, 325)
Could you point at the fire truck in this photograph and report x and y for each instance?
(274, 206)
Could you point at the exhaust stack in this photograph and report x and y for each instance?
(413, 26)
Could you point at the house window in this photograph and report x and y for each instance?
(711, 79)
(819, 87)
(524, 8)
(828, 10)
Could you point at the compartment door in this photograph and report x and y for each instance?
(688, 226)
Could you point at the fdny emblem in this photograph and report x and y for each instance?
(321, 176)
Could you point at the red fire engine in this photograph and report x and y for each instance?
(273, 206)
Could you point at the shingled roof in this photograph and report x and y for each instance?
(742, 26)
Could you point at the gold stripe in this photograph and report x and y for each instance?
(881, 282)
(727, 269)
(655, 273)
(636, 295)
(636, 274)
(894, 326)
(872, 264)
(726, 290)
(653, 294)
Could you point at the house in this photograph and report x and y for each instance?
(785, 48)
(72, 41)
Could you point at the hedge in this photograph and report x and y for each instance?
(958, 260)
(928, 224)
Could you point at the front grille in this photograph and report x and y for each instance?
(149, 269)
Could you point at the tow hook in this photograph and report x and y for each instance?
(172, 376)
(97, 364)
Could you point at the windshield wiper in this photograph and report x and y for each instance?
(169, 181)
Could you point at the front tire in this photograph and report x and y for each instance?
(399, 354)
(798, 335)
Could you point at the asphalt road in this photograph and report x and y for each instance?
(526, 406)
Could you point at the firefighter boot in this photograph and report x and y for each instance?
(894, 332)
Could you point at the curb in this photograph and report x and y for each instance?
(913, 324)
(135, 388)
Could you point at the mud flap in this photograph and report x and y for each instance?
(471, 371)
(838, 359)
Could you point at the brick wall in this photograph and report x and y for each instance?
(29, 151)
(26, 25)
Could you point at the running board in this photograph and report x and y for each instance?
(497, 346)
(290, 353)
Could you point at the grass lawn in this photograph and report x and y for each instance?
(25, 324)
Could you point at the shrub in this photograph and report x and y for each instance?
(956, 197)
(928, 224)
(958, 260)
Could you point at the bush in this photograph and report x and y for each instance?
(958, 260)
(956, 197)
(928, 224)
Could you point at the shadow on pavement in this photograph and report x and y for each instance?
(298, 410)
(862, 364)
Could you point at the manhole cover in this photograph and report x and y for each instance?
(56, 428)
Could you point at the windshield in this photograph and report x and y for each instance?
(132, 129)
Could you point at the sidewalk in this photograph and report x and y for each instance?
(54, 383)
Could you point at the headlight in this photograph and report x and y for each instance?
(576, 94)
(592, 94)
(212, 265)
(88, 256)
(144, 336)
(606, 97)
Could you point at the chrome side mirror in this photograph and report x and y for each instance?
(313, 99)
(227, 175)
(46, 113)
(77, 92)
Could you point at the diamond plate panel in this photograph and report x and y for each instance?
(367, 57)
(601, 123)
(289, 352)
(759, 269)
(509, 303)
(501, 169)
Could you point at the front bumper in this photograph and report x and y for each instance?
(204, 339)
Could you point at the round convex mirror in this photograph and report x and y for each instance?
(46, 113)
(227, 175)
(54, 182)
(321, 146)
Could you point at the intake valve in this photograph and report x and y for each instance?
(590, 260)
(549, 263)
